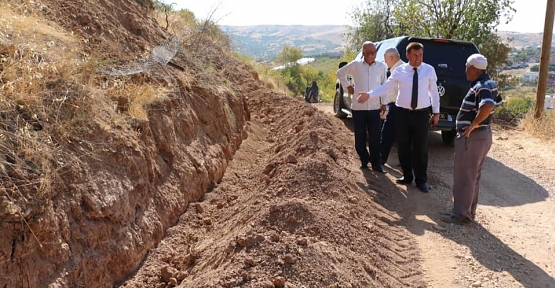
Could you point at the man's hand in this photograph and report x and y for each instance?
(468, 129)
(383, 109)
(362, 97)
(351, 90)
(434, 120)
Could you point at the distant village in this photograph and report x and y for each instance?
(526, 61)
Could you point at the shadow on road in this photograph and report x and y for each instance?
(485, 247)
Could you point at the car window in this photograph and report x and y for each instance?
(447, 58)
(384, 45)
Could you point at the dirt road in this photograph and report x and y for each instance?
(513, 241)
(294, 210)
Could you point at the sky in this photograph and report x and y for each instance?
(529, 17)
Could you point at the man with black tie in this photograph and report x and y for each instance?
(416, 83)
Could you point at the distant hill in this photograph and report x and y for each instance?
(521, 40)
(264, 42)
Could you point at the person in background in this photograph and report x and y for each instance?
(392, 60)
(473, 141)
(367, 74)
(417, 86)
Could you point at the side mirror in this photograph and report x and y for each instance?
(342, 64)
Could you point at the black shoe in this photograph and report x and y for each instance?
(379, 168)
(455, 219)
(363, 166)
(402, 180)
(422, 187)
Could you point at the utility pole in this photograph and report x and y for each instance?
(544, 60)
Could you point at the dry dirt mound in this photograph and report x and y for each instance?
(290, 211)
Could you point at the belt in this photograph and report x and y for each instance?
(414, 110)
(480, 128)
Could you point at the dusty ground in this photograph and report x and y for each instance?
(293, 210)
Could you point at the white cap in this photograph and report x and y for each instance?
(478, 61)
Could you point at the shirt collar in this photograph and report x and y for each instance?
(482, 77)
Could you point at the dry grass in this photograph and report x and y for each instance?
(541, 128)
(135, 98)
(52, 95)
(49, 92)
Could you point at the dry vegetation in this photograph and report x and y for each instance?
(542, 127)
(50, 89)
(44, 86)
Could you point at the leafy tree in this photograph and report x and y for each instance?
(452, 19)
(289, 56)
(372, 22)
(470, 20)
(536, 68)
(497, 53)
(292, 72)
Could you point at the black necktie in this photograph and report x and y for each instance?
(388, 73)
(414, 98)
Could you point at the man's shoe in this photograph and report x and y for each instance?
(402, 180)
(455, 219)
(422, 187)
(379, 169)
(363, 166)
(446, 212)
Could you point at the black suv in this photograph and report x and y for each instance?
(448, 57)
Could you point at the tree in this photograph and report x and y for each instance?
(373, 22)
(292, 72)
(470, 20)
(289, 56)
(497, 53)
(452, 19)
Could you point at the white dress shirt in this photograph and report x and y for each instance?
(392, 97)
(402, 80)
(365, 77)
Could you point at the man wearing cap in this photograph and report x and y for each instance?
(473, 140)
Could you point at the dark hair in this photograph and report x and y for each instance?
(414, 46)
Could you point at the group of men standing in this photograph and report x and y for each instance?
(410, 92)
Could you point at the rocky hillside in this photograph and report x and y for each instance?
(96, 167)
(112, 127)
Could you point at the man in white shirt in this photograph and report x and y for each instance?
(367, 74)
(417, 86)
(389, 129)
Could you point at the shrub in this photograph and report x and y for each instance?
(514, 108)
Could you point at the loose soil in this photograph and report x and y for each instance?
(294, 210)
(229, 184)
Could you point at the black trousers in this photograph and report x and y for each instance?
(367, 121)
(412, 143)
(389, 132)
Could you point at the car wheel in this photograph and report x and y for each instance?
(338, 104)
(448, 136)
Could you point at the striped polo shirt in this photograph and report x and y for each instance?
(483, 91)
